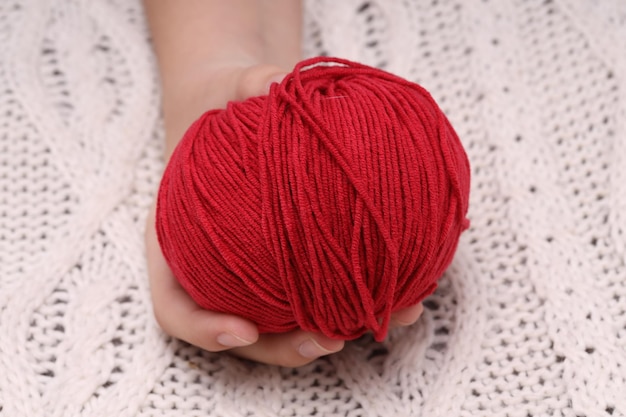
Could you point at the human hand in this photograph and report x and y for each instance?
(175, 310)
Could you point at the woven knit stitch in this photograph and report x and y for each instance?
(529, 320)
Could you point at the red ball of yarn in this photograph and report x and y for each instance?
(326, 205)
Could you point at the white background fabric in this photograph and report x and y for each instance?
(530, 319)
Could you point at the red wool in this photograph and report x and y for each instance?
(326, 205)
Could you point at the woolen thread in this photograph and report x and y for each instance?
(326, 205)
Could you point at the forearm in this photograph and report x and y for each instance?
(281, 27)
(196, 39)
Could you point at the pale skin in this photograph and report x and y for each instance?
(210, 52)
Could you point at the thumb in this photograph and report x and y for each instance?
(256, 81)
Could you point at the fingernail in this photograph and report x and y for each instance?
(231, 340)
(405, 322)
(275, 79)
(311, 349)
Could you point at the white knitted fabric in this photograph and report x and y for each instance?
(530, 319)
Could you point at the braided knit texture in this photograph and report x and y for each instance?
(528, 320)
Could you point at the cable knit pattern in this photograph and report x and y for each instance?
(529, 320)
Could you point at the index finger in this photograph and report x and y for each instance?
(181, 317)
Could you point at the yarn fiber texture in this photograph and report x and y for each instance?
(328, 204)
(528, 320)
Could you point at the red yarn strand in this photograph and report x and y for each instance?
(326, 205)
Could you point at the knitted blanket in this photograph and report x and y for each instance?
(529, 320)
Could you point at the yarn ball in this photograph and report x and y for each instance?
(326, 205)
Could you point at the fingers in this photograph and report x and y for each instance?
(406, 316)
(181, 317)
(298, 348)
(291, 349)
